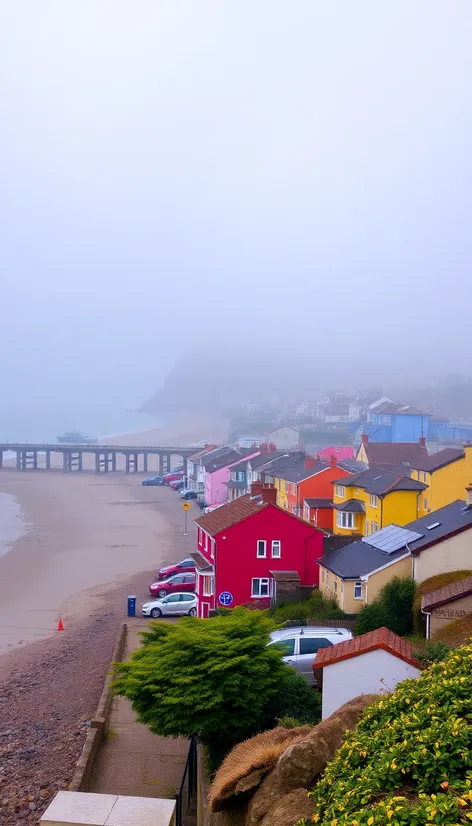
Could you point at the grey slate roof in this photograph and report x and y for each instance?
(440, 459)
(359, 558)
(352, 465)
(212, 463)
(351, 506)
(318, 503)
(296, 471)
(237, 485)
(379, 481)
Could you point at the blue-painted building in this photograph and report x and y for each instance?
(392, 422)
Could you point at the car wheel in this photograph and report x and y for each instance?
(156, 613)
(162, 592)
(192, 612)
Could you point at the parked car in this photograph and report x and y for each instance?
(301, 644)
(211, 508)
(174, 605)
(188, 494)
(185, 566)
(177, 484)
(172, 477)
(176, 582)
(153, 480)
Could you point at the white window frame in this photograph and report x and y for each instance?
(374, 527)
(315, 516)
(373, 500)
(346, 517)
(274, 555)
(260, 580)
(425, 504)
(340, 490)
(206, 592)
(358, 585)
(335, 586)
(264, 543)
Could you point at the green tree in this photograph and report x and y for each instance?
(393, 608)
(296, 702)
(214, 679)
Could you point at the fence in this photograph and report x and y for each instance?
(185, 799)
(346, 622)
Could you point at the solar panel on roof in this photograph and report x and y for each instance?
(391, 539)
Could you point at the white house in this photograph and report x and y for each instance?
(285, 438)
(370, 664)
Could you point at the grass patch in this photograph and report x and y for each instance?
(429, 585)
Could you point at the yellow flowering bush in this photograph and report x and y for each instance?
(409, 761)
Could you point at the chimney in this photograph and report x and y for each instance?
(269, 495)
(332, 460)
(310, 461)
(422, 441)
(256, 488)
(365, 438)
(469, 495)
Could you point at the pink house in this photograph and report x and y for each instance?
(341, 452)
(217, 472)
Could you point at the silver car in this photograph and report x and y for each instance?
(174, 605)
(301, 644)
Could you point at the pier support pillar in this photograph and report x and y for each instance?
(145, 462)
(136, 460)
(48, 459)
(161, 464)
(105, 462)
(127, 463)
(113, 460)
(65, 462)
(80, 458)
(23, 459)
(1, 458)
(184, 462)
(35, 460)
(97, 463)
(18, 460)
(168, 462)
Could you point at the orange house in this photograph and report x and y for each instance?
(310, 478)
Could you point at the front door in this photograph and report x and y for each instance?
(205, 610)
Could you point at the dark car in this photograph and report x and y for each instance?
(185, 566)
(188, 494)
(153, 480)
(175, 583)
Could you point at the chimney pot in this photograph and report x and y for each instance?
(256, 488)
(310, 461)
(269, 495)
(333, 461)
(422, 441)
(365, 438)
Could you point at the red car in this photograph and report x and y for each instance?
(172, 477)
(177, 582)
(185, 566)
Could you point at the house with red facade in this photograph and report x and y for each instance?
(245, 545)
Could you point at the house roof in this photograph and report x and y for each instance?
(381, 638)
(265, 458)
(297, 471)
(351, 505)
(448, 593)
(438, 460)
(208, 449)
(351, 465)
(232, 456)
(389, 408)
(285, 576)
(380, 481)
(273, 465)
(318, 503)
(237, 485)
(230, 514)
(360, 558)
(395, 453)
(202, 564)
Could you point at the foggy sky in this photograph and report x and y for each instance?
(177, 174)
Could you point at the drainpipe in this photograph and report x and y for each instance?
(427, 614)
(381, 512)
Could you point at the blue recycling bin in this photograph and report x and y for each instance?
(131, 606)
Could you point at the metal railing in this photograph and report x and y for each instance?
(186, 796)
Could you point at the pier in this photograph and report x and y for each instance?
(30, 457)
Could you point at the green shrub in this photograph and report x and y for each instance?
(296, 699)
(431, 652)
(393, 608)
(409, 761)
(215, 679)
(316, 607)
(429, 585)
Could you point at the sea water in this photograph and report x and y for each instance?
(13, 525)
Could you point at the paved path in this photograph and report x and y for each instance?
(132, 760)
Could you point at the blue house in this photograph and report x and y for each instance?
(392, 422)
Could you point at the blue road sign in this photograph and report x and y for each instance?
(226, 598)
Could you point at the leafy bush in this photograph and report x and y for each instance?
(393, 608)
(316, 607)
(297, 700)
(429, 585)
(431, 652)
(215, 679)
(409, 762)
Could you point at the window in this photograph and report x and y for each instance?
(207, 586)
(339, 490)
(276, 549)
(322, 575)
(310, 645)
(425, 504)
(345, 519)
(172, 598)
(206, 541)
(261, 548)
(358, 590)
(306, 514)
(315, 517)
(186, 597)
(373, 501)
(287, 646)
(335, 586)
(423, 476)
(260, 587)
(373, 527)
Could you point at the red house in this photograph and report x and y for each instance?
(241, 545)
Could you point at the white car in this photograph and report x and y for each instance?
(301, 644)
(174, 605)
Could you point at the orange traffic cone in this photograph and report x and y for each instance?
(60, 625)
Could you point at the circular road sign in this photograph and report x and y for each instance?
(225, 598)
(186, 506)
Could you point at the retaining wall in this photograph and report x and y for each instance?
(98, 723)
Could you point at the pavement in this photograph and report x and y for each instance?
(132, 760)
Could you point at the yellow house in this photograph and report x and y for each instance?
(368, 501)
(385, 454)
(447, 474)
(355, 573)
